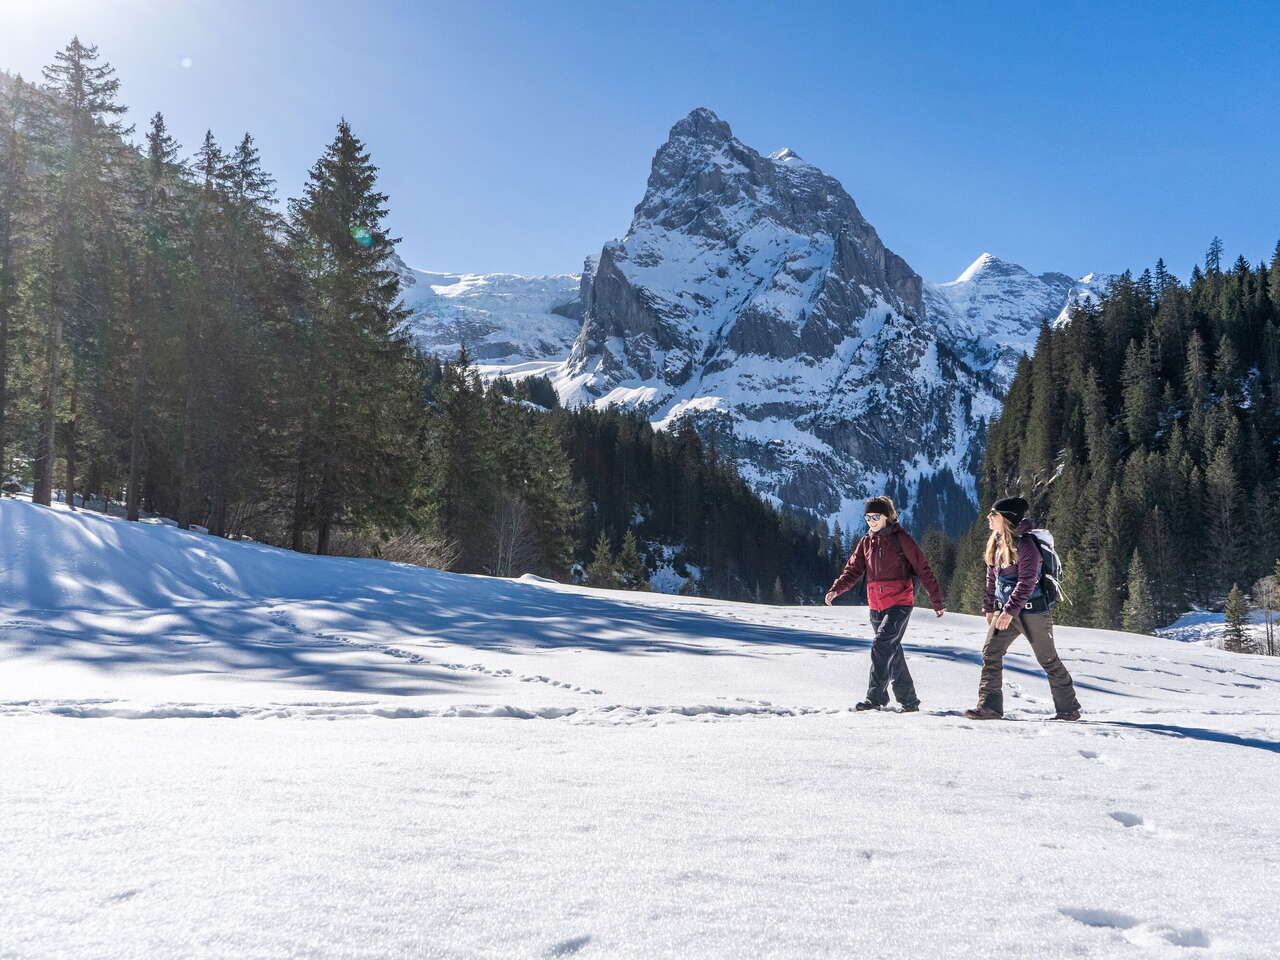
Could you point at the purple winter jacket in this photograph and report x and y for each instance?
(1027, 570)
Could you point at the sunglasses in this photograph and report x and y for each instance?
(873, 516)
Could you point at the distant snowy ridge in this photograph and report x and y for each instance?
(994, 308)
(499, 317)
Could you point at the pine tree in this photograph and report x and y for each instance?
(461, 476)
(631, 568)
(1236, 638)
(1213, 257)
(1196, 389)
(602, 571)
(1106, 602)
(1225, 506)
(149, 334)
(777, 597)
(16, 212)
(359, 445)
(79, 149)
(1042, 415)
(1139, 614)
(1273, 277)
(1139, 394)
(1073, 608)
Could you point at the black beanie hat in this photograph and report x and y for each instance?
(878, 505)
(1014, 509)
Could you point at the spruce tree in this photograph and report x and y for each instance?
(79, 150)
(1225, 506)
(17, 211)
(1236, 637)
(631, 569)
(150, 334)
(602, 571)
(359, 432)
(1139, 393)
(1139, 614)
(461, 488)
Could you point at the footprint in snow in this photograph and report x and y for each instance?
(1137, 932)
(1088, 754)
(566, 948)
(1126, 818)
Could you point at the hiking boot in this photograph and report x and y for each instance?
(1067, 715)
(866, 705)
(911, 707)
(983, 713)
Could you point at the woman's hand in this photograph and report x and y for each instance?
(1004, 620)
(830, 597)
(940, 612)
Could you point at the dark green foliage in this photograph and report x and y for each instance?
(602, 571)
(1159, 411)
(1236, 638)
(1139, 614)
(678, 494)
(632, 570)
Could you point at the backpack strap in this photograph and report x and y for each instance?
(897, 545)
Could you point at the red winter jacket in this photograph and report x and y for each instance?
(889, 570)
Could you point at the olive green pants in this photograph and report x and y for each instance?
(1038, 629)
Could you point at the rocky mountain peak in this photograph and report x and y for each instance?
(703, 125)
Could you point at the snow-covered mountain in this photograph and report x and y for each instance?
(751, 297)
(994, 309)
(500, 317)
(221, 749)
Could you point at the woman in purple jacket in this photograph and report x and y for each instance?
(1014, 604)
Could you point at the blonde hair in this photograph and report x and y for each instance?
(1000, 545)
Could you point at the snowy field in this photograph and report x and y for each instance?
(215, 749)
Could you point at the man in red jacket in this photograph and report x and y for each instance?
(889, 558)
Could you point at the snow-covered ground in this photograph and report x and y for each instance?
(1210, 629)
(215, 749)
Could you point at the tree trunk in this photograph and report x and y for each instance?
(218, 511)
(4, 372)
(299, 497)
(43, 490)
(185, 486)
(133, 488)
(69, 441)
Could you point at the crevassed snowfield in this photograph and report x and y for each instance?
(215, 749)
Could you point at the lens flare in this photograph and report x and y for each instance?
(362, 236)
(184, 63)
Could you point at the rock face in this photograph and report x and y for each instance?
(751, 296)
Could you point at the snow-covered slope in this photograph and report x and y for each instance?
(588, 773)
(499, 317)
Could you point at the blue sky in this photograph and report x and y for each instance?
(517, 136)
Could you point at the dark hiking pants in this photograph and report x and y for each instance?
(887, 662)
(1038, 629)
